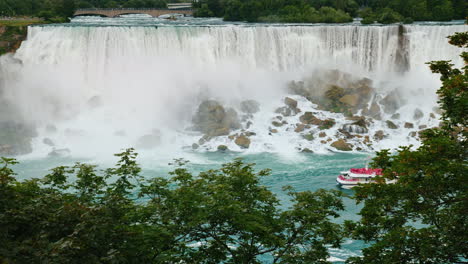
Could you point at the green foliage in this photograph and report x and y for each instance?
(422, 218)
(219, 216)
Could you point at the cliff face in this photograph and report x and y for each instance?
(11, 38)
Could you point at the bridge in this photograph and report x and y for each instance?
(115, 12)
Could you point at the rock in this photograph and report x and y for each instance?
(51, 129)
(309, 118)
(391, 125)
(285, 111)
(327, 124)
(322, 134)
(392, 102)
(409, 125)
(276, 124)
(422, 127)
(273, 130)
(379, 135)
(345, 133)
(437, 110)
(395, 116)
(373, 111)
(48, 142)
(279, 118)
(195, 146)
(222, 148)
(94, 102)
(250, 106)
(350, 100)
(306, 150)
(16, 138)
(242, 141)
(213, 120)
(249, 134)
(59, 152)
(309, 136)
(299, 128)
(432, 115)
(149, 141)
(418, 114)
(323, 141)
(290, 102)
(367, 139)
(248, 125)
(412, 134)
(341, 144)
(201, 141)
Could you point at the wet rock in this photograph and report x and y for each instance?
(195, 146)
(373, 111)
(391, 125)
(285, 111)
(273, 130)
(250, 106)
(327, 124)
(59, 152)
(149, 141)
(279, 118)
(418, 114)
(396, 116)
(291, 103)
(345, 133)
(48, 142)
(412, 134)
(392, 102)
(432, 115)
(213, 120)
(341, 144)
(94, 102)
(16, 138)
(409, 125)
(277, 124)
(299, 128)
(367, 140)
(350, 100)
(51, 129)
(306, 150)
(248, 125)
(242, 141)
(379, 135)
(222, 148)
(201, 141)
(422, 127)
(323, 141)
(309, 118)
(322, 134)
(309, 136)
(249, 134)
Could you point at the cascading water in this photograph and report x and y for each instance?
(95, 86)
(103, 88)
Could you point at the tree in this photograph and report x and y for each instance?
(422, 218)
(219, 216)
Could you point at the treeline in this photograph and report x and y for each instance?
(61, 10)
(333, 11)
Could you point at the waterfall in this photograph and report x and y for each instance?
(98, 80)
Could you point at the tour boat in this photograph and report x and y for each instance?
(355, 176)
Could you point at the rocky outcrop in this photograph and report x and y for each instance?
(342, 145)
(11, 38)
(222, 148)
(291, 103)
(213, 120)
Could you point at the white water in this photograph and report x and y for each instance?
(151, 78)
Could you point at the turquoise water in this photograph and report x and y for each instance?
(302, 172)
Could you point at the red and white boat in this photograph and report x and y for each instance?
(356, 176)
